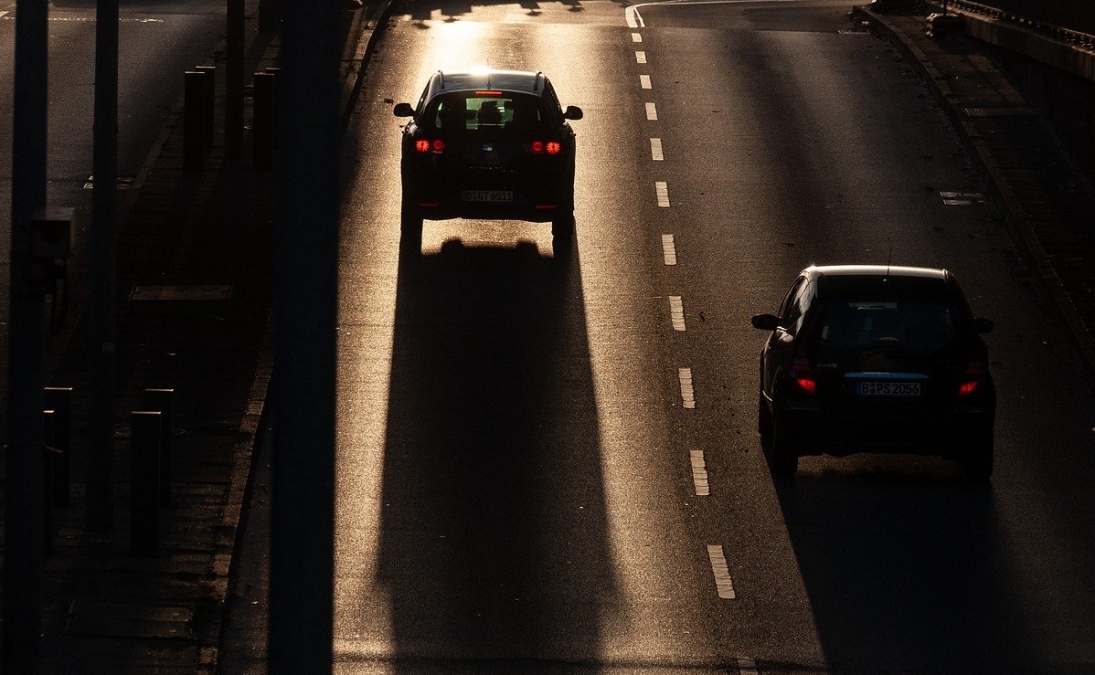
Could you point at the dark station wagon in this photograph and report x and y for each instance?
(876, 359)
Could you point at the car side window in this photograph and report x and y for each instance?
(553, 103)
(795, 306)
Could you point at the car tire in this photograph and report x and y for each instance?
(764, 422)
(562, 227)
(784, 452)
(410, 221)
(978, 461)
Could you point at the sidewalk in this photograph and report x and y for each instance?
(195, 297)
(1046, 203)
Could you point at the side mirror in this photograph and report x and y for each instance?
(765, 322)
(403, 110)
(572, 112)
(983, 326)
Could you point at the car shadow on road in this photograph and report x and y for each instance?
(493, 529)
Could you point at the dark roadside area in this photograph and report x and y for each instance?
(195, 284)
(195, 294)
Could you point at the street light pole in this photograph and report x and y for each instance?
(24, 522)
(302, 484)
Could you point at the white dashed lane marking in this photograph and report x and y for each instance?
(723, 583)
(656, 149)
(661, 189)
(644, 81)
(746, 666)
(651, 112)
(640, 57)
(676, 312)
(688, 394)
(636, 37)
(699, 473)
(669, 249)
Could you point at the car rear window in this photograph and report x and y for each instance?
(479, 111)
(846, 328)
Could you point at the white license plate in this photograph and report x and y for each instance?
(888, 389)
(500, 196)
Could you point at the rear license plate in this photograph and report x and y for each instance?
(887, 389)
(498, 196)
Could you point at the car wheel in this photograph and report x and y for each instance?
(784, 453)
(764, 422)
(410, 221)
(562, 227)
(979, 460)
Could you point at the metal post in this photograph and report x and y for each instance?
(144, 487)
(23, 485)
(59, 400)
(160, 400)
(262, 134)
(300, 630)
(48, 468)
(193, 120)
(102, 309)
(209, 124)
(233, 86)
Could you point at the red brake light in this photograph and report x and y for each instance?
(422, 145)
(488, 92)
(425, 145)
(438, 145)
(554, 148)
(537, 146)
(804, 377)
(971, 377)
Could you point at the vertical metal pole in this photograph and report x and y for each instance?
(193, 121)
(302, 483)
(233, 85)
(209, 126)
(23, 521)
(102, 314)
(159, 400)
(59, 399)
(262, 122)
(49, 452)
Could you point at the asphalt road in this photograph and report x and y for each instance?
(521, 469)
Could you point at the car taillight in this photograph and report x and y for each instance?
(425, 145)
(803, 376)
(971, 377)
(548, 147)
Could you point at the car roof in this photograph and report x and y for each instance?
(884, 282)
(531, 82)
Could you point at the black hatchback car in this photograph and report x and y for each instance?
(876, 359)
(490, 144)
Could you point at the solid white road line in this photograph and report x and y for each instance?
(644, 81)
(669, 249)
(656, 149)
(688, 394)
(676, 312)
(661, 189)
(699, 473)
(651, 112)
(723, 583)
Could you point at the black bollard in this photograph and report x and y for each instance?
(159, 400)
(59, 400)
(262, 123)
(193, 118)
(209, 108)
(144, 490)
